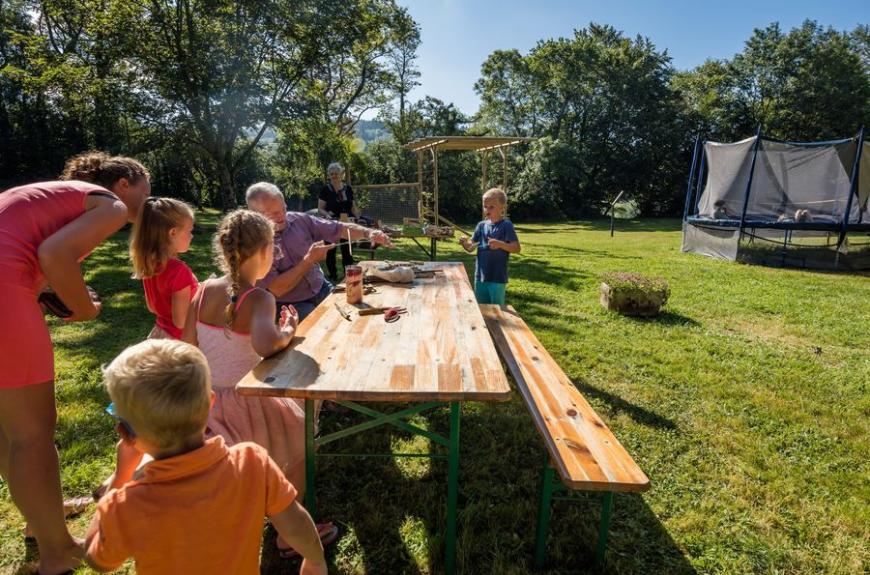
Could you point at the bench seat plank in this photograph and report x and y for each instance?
(582, 448)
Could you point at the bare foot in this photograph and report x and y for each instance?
(70, 558)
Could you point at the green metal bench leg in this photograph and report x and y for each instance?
(309, 458)
(452, 490)
(606, 508)
(547, 489)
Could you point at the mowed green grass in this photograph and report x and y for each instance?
(746, 404)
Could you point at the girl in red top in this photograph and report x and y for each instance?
(164, 230)
(46, 229)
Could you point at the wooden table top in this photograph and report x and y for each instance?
(440, 350)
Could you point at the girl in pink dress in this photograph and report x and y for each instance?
(46, 230)
(232, 322)
(164, 229)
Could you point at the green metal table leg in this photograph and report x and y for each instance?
(606, 507)
(309, 458)
(452, 490)
(547, 489)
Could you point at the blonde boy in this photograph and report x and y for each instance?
(199, 506)
(494, 239)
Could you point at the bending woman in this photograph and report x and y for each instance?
(46, 230)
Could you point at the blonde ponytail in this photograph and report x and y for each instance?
(149, 243)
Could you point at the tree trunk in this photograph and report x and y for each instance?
(227, 188)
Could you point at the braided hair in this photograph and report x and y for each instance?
(241, 234)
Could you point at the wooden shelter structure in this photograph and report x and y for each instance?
(435, 144)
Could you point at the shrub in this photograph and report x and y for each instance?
(634, 294)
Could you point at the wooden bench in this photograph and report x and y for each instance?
(580, 447)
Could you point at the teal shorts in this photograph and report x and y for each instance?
(489, 292)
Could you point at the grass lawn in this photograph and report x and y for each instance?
(746, 404)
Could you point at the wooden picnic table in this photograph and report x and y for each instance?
(438, 353)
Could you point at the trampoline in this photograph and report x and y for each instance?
(775, 202)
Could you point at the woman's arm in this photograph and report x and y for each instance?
(59, 254)
(321, 209)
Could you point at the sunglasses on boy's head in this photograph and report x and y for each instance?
(110, 409)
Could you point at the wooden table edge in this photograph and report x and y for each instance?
(374, 396)
(581, 485)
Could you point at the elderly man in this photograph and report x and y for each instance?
(296, 277)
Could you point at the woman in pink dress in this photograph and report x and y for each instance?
(46, 230)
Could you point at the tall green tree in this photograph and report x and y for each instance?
(811, 83)
(358, 72)
(605, 104)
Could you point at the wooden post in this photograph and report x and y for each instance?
(484, 158)
(420, 184)
(435, 179)
(503, 170)
(433, 243)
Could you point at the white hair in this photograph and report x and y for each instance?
(256, 191)
(334, 167)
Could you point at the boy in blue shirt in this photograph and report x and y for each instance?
(494, 239)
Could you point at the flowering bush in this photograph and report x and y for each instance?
(633, 293)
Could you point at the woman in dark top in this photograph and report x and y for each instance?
(336, 198)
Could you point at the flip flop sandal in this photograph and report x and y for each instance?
(328, 534)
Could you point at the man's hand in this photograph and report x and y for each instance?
(317, 252)
(379, 238)
(497, 244)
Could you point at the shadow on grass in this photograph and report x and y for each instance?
(603, 224)
(377, 506)
(668, 318)
(619, 405)
(393, 522)
(562, 252)
(538, 270)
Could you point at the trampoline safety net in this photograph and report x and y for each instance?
(782, 196)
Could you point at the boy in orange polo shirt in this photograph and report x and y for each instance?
(199, 506)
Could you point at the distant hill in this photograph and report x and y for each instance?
(269, 136)
(371, 131)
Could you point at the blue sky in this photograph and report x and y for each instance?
(458, 35)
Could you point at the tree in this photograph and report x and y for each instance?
(404, 79)
(343, 85)
(809, 84)
(604, 102)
